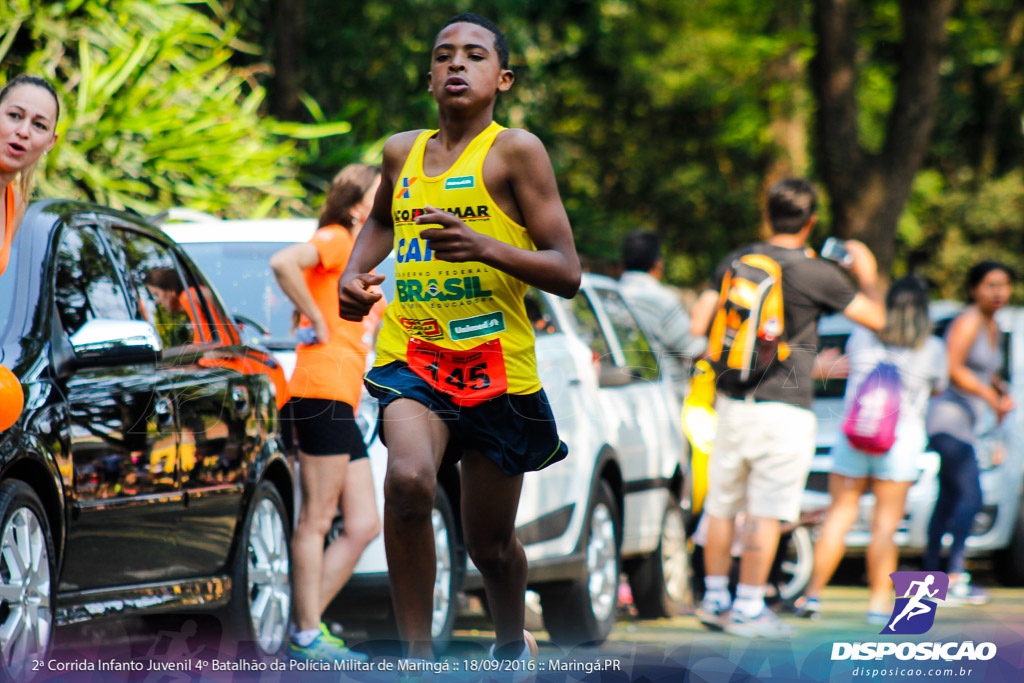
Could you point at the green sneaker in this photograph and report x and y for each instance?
(326, 647)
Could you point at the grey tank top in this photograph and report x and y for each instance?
(954, 411)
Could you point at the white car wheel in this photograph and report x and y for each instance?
(26, 588)
(261, 581)
(583, 611)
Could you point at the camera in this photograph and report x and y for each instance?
(835, 250)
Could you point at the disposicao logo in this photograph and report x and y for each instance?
(403, 190)
(914, 612)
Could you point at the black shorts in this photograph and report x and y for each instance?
(516, 432)
(322, 427)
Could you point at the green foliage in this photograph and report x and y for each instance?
(961, 226)
(665, 115)
(655, 114)
(154, 114)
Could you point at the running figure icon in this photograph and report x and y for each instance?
(914, 606)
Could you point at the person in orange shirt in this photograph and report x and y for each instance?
(325, 388)
(28, 130)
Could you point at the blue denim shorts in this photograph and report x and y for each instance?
(900, 463)
(515, 431)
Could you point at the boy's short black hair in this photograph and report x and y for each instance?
(500, 43)
(641, 250)
(791, 203)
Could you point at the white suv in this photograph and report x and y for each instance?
(999, 526)
(612, 505)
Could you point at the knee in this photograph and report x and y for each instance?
(409, 491)
(315, 521)
(364, 529)
(843, 514)
(493, 555)
(883, 530)
(972, 495)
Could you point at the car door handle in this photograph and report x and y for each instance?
(164, 411)
(240, 396)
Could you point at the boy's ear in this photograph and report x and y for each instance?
(430, 83)
(505, 80)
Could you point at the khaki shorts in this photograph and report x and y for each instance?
(762, 454)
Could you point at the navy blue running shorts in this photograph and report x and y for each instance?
(515, 431)
(322, 427)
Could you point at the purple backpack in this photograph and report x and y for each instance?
(870, 424)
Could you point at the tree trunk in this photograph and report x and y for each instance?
(868, 191)
(289, 23)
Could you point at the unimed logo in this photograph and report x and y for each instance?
(916, 593)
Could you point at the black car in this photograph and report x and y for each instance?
(145, 471)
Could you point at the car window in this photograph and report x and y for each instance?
(640, 360)
(589, 329)
(165, 297)
(242, 275)
(211, 302)
(87, 286)
(542, 318)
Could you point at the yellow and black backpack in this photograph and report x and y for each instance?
(746, 334)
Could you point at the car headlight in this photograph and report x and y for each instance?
(366, 418)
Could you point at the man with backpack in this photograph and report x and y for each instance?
(760, 313)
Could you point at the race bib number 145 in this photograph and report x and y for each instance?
(467, 377)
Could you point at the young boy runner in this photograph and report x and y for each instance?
(473, 213)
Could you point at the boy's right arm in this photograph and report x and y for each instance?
(377, 237)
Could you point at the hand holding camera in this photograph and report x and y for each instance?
(835, 250)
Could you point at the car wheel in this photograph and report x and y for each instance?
(583, 611)
(261, 592)
(448, 574)
(797, 564)
(27, 574)
(661, 581)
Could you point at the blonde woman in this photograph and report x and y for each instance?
(28, 130)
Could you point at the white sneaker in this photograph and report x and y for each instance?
(963, 592)
(528, 669)
(765, 625)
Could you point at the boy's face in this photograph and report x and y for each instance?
(465, 67)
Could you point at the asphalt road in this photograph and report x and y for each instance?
(675, 649)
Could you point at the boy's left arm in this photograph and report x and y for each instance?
(554, 266)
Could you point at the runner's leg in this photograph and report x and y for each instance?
(718, 548)
(490, 499)
(359, 510)
(416, 440)
(828, 549)
(883, 555)
(321, 478)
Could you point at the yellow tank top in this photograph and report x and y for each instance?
(456, 305)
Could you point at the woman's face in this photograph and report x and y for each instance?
(165, 298)
(28, 119)
(361, 211)
(993, 291)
